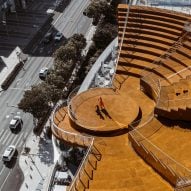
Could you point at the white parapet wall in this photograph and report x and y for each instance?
(97, 65)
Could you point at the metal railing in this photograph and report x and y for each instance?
(180, 71)
(154, 83)
(141, 122)
(89, 163)
(167, 6)
(124, 29)
(66, 135)
(123, 34)
(74, 103)
(182, 175)
(165, 55)
(85, 172)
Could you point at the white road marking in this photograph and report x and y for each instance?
(19, 138)
(9, 135)
(11, 141)
(2, 171)
(1, 132)
(5, 179)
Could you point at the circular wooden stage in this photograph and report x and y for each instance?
(117, 113)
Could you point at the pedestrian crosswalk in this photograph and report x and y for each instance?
(8, 138)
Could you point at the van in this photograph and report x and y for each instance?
(15, 123)
(43, 73)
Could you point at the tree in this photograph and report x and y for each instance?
(97, 8)
(56, 78)
(65, 53)
(52, 92)
(35, 102)
(72, 50)
(79, 41)
(104, 35)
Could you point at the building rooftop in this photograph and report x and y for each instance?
(148, 99)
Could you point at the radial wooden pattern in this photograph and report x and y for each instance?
(121, 110)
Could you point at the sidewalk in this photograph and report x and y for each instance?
(9, 64)
(37, 164)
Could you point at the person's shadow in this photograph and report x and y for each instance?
(105, 112)
(98, 111)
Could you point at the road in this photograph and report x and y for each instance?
(69, 22)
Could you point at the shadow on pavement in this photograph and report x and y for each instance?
(48, 48)
(15, 180)
(26, 28)
(62, 5)
(46, 153)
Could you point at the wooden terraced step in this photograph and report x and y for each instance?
(152, 21)
(136, 64)
(159, 17)
(120, 168)
(153, 27)
(157, 13)
(128, 183)
(160, 12)
(132, 53)
(142, 33)
(144, 49)
(137, 41)
(123, 68)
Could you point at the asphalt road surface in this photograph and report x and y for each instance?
(69, 22)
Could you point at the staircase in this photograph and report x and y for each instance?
(175, 100)
(121, 169)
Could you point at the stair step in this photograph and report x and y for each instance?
(131, 182)
(122, 174)
(119, 163)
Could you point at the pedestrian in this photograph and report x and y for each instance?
(99, 112)
(101, 104)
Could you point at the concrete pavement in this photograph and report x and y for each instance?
(37, 164)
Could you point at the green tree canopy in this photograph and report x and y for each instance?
(72, 50)
(52, 93)
(56, 78)
(35, 102)
(96, 8)
(104, 35)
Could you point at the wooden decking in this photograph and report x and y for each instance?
(144, 51)
(118, 113)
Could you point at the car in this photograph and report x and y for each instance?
(15, 122)
(43, 73)
(47, 37)
(50, 10)
(58, 36)
(9, 153)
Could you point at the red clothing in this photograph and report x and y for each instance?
(101, 104)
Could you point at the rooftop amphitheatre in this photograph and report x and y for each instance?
(144, 144)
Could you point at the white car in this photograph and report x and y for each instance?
(43, 73)
(9, 153)
(58, 36)
(15, 122)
